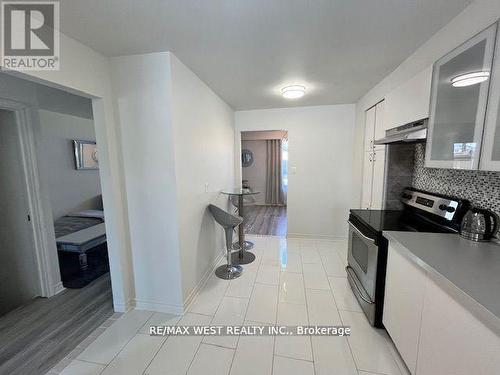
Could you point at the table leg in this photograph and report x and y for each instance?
(241, 232)
(244, 256)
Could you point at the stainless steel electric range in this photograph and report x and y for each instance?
(367, 252)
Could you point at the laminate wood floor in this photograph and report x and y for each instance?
(35, 337)
(266, 220)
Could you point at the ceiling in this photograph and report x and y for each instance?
(246, 50)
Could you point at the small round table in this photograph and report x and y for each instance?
(244, 256)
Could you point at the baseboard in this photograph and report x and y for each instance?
(58, 288)
(316, 236)
(123, 307)
(189, 300)
(158, 307)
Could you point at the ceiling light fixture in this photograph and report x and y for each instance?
(470, 79)
(293, 92)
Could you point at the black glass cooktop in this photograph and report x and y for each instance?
(403, 220)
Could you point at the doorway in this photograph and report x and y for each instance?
(19, 281)
(39, 183)
(264, 166)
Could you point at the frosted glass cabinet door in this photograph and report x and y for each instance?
(457, 114)
(490, 154)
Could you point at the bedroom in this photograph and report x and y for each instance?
(52, 233)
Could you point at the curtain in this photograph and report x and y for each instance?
(274, 187)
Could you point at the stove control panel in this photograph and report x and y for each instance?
(439, 206)
(425, 202)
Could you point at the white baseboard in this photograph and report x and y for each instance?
(140, 304)
(58, 288)
(158, 307)
(316, 236)
(189, 300)
(123, 307)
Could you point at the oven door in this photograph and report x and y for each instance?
(362, 258)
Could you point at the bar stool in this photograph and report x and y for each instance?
(228, 222)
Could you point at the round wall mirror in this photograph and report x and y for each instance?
(246, 158)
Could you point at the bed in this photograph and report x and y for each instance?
(77, 221)
(81, 245)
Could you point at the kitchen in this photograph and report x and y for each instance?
(423, 259)
(392, 146)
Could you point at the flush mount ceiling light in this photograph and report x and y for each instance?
(293, 92)
(470, 79)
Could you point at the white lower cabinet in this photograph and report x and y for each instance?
(404, 299)
(434, 333)
(452, 340)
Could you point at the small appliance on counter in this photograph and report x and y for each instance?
(479, 225)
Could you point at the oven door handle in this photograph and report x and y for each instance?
(359, 232)
(361, 293)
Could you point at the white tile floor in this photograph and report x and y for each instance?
(291, 282)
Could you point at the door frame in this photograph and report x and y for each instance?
(42, 245)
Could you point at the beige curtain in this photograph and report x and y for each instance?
(274, 188)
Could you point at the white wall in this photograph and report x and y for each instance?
(320, 148)
(87, 73)
(256, 173)
(142, 90)
(204, 154)
(476, 17)
(178, 136)
(70, 189)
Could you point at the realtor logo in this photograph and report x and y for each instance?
(30, 35)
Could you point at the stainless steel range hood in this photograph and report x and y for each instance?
(412, 132)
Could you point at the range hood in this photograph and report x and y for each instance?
(412, 132)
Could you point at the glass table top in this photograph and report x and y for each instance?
(239, 192)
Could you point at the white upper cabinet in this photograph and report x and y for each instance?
(409, 102)
(457, 111)
(490, 153)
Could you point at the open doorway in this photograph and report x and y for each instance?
(42, 316)
(265, 169)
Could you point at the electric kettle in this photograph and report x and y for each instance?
(479, 224)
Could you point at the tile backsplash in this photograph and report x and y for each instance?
(480, 187)
(399, 173)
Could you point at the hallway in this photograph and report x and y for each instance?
(292, 282)
(266, 220)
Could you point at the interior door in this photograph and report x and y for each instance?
(367, 182)
(378, 183)
(18, 272)
(379, 130)
(370, 118)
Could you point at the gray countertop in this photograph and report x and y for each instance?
(473, 267)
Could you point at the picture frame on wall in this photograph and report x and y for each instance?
(86, 156)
